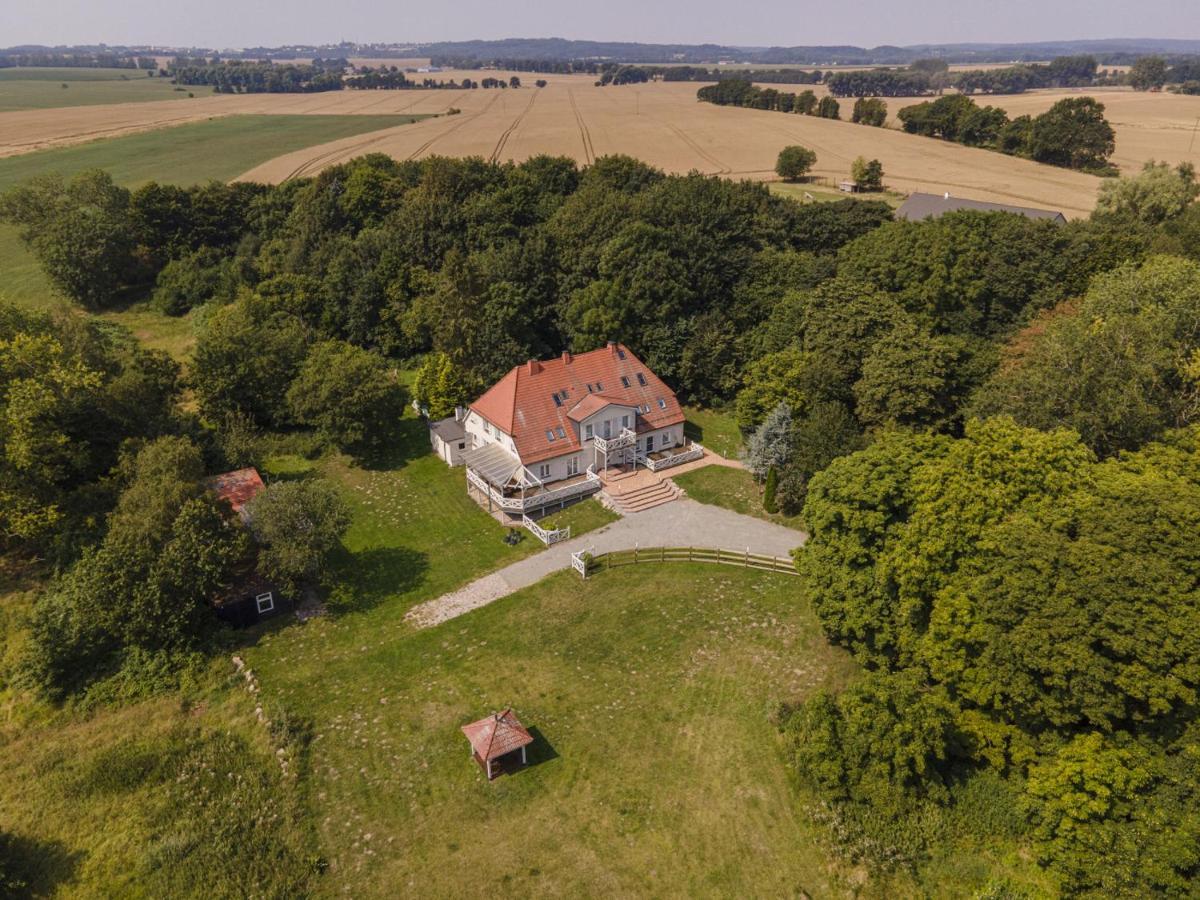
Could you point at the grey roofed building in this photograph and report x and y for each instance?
(931, 206)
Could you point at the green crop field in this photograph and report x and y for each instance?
(218, 149)
(38, 88)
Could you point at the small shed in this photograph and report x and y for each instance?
(449, 439)
(251, 598)
(496, 740)
(848, 187)
(237, 488)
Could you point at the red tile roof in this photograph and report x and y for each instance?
(237, 488)
(522, 402)
(497, 735)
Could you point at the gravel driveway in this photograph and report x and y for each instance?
(682, 523)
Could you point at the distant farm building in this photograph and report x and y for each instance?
(931, 206)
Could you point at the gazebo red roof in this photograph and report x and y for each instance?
(497, 735)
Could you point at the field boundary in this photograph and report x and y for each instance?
(586, 563)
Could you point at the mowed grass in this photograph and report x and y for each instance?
(733, 489)
(656, 770)
(822, 194)
(715, 429)
(416, 534)
(38, 88)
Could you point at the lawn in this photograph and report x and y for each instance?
(656, 769)
(822, 194)
(416, 534)
(733, 489)
(715, 429)
(218, 149)
(43, 88)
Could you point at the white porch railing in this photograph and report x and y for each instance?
(546, 536)
(627, 438)
(695, 451)
(540, 499)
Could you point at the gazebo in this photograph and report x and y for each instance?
(497, 736)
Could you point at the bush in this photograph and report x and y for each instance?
(794, 162)
(769, 490)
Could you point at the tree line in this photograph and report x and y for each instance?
(1073, 133)
(741, 92)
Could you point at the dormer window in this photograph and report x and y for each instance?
(624, 381)
(641, 379)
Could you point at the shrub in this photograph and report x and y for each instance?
(772, 485)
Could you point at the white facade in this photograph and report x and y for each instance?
(606, 423)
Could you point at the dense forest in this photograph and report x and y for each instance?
(986, 422)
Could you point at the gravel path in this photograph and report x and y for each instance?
(682, 523)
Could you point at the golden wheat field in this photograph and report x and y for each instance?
(661, 123)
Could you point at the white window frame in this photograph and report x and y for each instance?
(624, 421)
(573, 465)
(649, 443)
(588, 432)
(269, 597)
(544, 470)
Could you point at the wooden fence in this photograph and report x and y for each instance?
(586, 563)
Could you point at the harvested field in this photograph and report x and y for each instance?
(666, 126)
(661, 123)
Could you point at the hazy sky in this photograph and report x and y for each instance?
(237, 23)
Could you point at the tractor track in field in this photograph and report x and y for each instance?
(585, 134)
(463, 120)
(500, 144)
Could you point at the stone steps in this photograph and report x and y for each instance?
(647, 497)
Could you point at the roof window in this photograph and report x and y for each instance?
(662, 404)
(557, 399)
(561, 433)
(620, 353)
(624, 381)
(641, 379)
(549, 435)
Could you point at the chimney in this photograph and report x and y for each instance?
(612, 347)
(534, 367)
(566, 357)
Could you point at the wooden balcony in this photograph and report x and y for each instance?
(627, 438)
(516, 500)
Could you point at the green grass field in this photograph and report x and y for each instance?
(38, 88)
(656, 769)
(824, 194)
(715, 429)
(219, 149)
(733, 489)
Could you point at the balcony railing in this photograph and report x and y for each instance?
(543, 496)
(627, 438)
(693, 451)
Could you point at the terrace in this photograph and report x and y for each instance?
(505, 484)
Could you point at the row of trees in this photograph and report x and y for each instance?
(1073, 133)
(237, 76)
(740, 92)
